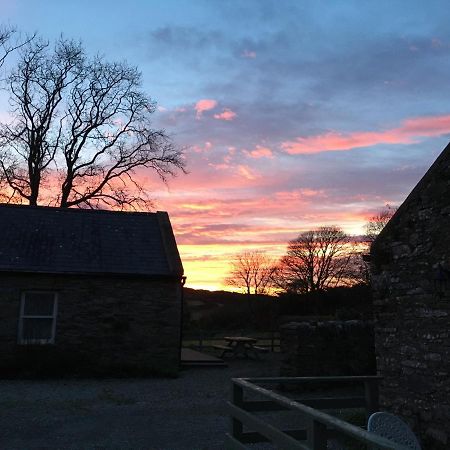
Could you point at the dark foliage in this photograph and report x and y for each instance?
(221, 310)
(342, 302)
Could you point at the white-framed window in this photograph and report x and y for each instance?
(37, 321)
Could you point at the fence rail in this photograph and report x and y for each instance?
(320, 427)
(270, 340)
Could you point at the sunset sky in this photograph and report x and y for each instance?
(293, 114)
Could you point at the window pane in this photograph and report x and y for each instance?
(39, 304)
(37, 329)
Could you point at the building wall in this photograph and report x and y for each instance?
(105, 326)
(412, 311)
(327, 348)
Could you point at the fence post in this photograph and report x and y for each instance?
(371, 395)
(317, 436)
(238, 400)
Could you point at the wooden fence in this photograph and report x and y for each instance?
(319, 426)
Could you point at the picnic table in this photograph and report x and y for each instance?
(240, 346)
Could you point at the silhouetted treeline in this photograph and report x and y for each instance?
(342, 302)
(221, 310)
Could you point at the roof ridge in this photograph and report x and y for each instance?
(72, 210)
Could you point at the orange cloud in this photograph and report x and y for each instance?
(410, 131)
(226, 114)
(204, 105)
(211, 226)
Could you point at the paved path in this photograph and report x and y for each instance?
(186, 413)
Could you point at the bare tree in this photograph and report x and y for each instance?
(5, 48)
(252, 271)
(377, 222)
(373, 228)
(81, 131)
(9, 41)
(316, 260)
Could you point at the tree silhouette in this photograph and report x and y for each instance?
(252, 272)
(316, 260)
(377, 222)
(5, 47)
(80, 131)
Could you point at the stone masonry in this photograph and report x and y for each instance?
(105, 326)
(410, 276)
(327, 348)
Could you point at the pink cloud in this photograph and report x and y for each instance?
(202, 148)
(260, 152)
(220, 166)
(410, 131)
(298, 195)
(248, 54)
(204, 105)
(226, 114)
(437, 43)
(247, 173)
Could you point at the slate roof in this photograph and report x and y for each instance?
(58, 240)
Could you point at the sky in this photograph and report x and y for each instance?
(292, 114)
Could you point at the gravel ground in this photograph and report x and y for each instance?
(167, 414)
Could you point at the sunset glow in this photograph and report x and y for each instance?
(292, 115)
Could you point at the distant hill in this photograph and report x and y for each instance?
(225, 310)
(216, 310)
(203, 295)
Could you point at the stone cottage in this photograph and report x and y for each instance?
(88, 292)
(411, 280)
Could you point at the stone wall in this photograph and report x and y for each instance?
(327, 348)
(410, 262)
(105, 326)
(412, 334)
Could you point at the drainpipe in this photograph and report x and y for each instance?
(182, 283)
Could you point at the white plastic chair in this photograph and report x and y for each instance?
(393, 428)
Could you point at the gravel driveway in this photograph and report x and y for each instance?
(167, 414)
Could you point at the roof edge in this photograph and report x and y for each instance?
(75, 210)
(443, 156)
(91, 274)
(170, 244)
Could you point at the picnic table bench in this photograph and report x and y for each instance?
(240, 345)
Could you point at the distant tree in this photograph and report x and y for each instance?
(373, 228)
(316, 260)
(252, 272)
(80, 131)
(377, 222)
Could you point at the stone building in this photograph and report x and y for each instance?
(410, 274)
(88, 292)
(330, 348)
